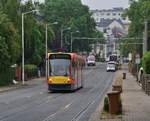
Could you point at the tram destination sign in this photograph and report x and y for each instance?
(60, 56)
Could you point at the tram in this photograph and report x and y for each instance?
(65, 71)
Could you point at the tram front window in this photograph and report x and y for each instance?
(59, 67)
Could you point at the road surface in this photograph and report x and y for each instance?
(34, 103)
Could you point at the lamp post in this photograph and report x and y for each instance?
(145, 36)
(62, 30)
(46, 49)
(72, 39)
(23, 14)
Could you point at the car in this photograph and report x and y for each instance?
(91, 60)
(111, 66)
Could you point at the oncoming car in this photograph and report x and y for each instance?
(91, 60)
(111, 66)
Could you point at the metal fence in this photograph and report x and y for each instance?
(146, 83)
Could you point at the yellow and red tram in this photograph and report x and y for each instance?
(65, 71)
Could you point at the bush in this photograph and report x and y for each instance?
(30, 71)
(146, 62)
(6, 76)
(106, 104)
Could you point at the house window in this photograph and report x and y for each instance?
(124, 18)
(114, 14)
(102, 14)
(105, 30)
(108, 14)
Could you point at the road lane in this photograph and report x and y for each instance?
(35, 104)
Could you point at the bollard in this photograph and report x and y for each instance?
(124, 75)
(114, 102)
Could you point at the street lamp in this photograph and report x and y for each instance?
(46, 48)
(145, 36)
(23, 14)
(62, 30)
(72, 39)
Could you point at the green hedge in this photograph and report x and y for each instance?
(106, 104)
(6, 76)
(146, 62)
(31, 71)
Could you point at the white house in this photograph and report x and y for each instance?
(115, 13)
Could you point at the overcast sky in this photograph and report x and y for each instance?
(105, 4)
(102, 4)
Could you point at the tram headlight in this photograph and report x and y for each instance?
(50, 80)
(69, 80)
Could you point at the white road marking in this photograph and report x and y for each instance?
(60, 110)
(29, 96)
(67, 106)
(41, 92)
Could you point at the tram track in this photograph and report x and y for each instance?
(66, 105)
(97, 98)
(78, 115)
(39, 101)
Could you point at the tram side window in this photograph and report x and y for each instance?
(73, 70)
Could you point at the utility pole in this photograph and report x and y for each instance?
(145, 37)
(22, 24)
(61, 42)
(23, 48)
(72, 39)
(46, 47)
(62, 30)
(46, 53)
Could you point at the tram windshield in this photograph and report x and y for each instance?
(59, 67)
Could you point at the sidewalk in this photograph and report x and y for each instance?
(136, 104)
(19, 85)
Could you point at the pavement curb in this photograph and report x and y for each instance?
(20, 85)
(11, 88)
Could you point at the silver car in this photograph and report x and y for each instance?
(111, 66)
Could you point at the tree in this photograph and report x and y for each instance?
(69, 13)
(137, 13)
(5, 57)
(9, 34)
(34, 36)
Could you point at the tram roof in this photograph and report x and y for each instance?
(74, 56)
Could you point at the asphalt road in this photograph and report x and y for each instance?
(34, 103)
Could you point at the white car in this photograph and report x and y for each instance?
(91, 60)
(111, 66)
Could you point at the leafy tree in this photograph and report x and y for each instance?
(10, 23)
(4, 58)
(69, 13)
(137, 13)
(34, 36)
(9, 34)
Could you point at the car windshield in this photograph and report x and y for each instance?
(59, 67)
(110, 64)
